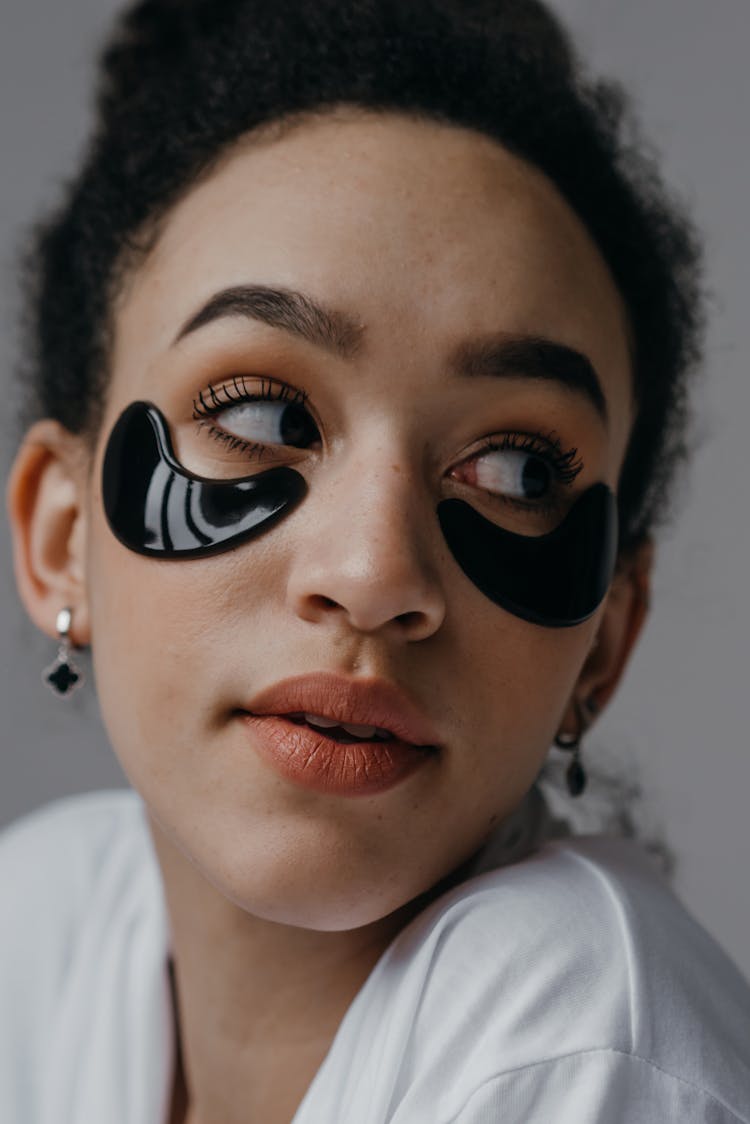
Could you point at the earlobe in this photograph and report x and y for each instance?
(46, 510)
(623, 616)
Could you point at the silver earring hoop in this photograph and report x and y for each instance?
(63, 676)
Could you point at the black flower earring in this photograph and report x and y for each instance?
(62, 675)
(575, 775)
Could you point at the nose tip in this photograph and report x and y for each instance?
(374, 567)
(369, 603)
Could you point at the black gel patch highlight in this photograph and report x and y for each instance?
(158, 508)
(556, 579)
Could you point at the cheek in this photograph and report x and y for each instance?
(517, 680)
(504, 685)
(167, 639)
(512, 683)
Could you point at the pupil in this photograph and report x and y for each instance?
(535, 477)
(296, 430)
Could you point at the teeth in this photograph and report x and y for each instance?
(360, 731)
(356, 731)
(316, 720)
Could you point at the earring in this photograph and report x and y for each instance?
(62, 675)
(575, 775)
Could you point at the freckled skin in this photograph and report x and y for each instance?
(418, 214)
(157, 508)
(428, 235)
(414, 202)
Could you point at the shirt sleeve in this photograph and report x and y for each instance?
(595, 1087)
(40, 881)
(23, 966)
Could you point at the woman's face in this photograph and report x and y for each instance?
(430, 240)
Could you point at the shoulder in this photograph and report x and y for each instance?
(579, 951)
(59, 865)
(527, 942)
(70, 817)
(81, 910)
(54, 852)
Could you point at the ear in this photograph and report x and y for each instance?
(45, 501)
(625, 610)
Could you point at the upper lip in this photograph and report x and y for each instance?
(370, 702)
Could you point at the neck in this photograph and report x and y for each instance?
(257, 1003)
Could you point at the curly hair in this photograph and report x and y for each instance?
(181, 80)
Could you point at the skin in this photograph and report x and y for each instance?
(282, 899)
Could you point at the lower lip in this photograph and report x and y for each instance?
(313, 760)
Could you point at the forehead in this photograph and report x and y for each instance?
(425, 233)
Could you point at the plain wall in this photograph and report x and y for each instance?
(679, 717)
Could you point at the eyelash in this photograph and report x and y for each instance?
(544, 445)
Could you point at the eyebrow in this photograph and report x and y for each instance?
(533, 357)
(504, 355)
(287, 309)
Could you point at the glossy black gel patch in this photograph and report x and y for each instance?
(556, 579)
(157, 508)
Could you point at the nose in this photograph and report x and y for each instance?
(369, 551)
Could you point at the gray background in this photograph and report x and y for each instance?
(679, 717)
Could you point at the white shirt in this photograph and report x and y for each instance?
(567, 987)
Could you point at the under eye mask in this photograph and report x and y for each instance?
(158, 508)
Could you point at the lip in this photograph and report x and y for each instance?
(313, 760)
(362, 702)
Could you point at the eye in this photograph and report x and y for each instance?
(524, 476)
(273, 414)
(527, 470)
(271, 423)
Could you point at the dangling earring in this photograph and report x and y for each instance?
(62, 675)
(575, 775)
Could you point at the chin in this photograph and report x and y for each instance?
(325, 905)
(319, 895)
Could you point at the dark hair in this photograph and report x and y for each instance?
(182, 79)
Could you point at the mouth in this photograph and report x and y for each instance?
(345, 709)
(333, 760)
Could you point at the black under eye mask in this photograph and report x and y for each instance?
(156, 507)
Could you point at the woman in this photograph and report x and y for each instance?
(361, 355)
